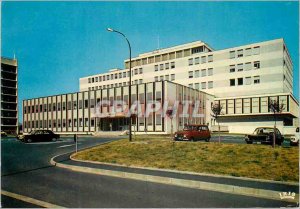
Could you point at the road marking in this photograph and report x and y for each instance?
(68, 145)
(30, 200)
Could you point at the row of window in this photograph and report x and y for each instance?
(244, 66)
(196, 74)
(59, 123)
(164, 66)
(137, 81)
(60, 106)
(244, 52)
(210, 85)
(167, 56)
(244, 81)
(166, 77)
(204, 59)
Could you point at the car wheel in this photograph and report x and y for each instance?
(207, 140)
(54, 139)
(29, 140)
(249, 142)
(192, 139)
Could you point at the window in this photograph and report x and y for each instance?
(155, 78)
(240, 53)
(210, 84)
(161, 66)
(197, 60)
(232, 54)
(240, 81)
(141, 70)
(92, 122)
(89, 80)
(232, 82)
(156, 67)
(92, 103)
(100, 78)
(248, 80)
(203, 72)
(69, 123)
(124, 74)
(248, 66)
(248, 52)
(96, 79)
(107, 77)
(75, 122)
(197, 74)
(161, 78)
(116, 75)
(172, 65)
(256, 65)
(191, 85)
(140, 81)
(63, 106)
(172, 77)
(203, 59)
(80, 122)
(232, 68)
(111, 76)
(191, 61)
(86, 122)
(190, 74)
(120, 75)
(167, 66)
(256, 80)
(256, 50)
(103, 78)
(203, 85)
(69, 105)
(210, 58)
(178, 54)
(240, 67)
(197, 86)
(135, 71)
(86, 103)
(80, 104)
(167, 77)
(210, 71)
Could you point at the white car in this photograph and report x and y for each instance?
(295, 138)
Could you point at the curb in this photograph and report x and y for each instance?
(185, 172)
(237, 190)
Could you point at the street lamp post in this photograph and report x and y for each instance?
(112, 30)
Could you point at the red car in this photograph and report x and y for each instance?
(193, 133)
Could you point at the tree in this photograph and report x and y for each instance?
(275, 107)
(216, 110)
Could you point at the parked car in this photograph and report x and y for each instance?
(39, 135)
(193, 133)
(264, 135)
(3, 134)
(295, 138)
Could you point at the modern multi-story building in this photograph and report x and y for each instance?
(9, 95)
(77, 112)
(242, 79)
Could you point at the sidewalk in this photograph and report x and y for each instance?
(235, 185)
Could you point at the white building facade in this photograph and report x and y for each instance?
(260, 70)
(242, 79)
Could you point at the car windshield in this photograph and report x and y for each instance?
(263, 130)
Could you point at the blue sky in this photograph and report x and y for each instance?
(56, 43)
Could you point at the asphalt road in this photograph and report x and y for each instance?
(26, 171)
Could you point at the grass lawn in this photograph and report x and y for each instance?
(254, 161)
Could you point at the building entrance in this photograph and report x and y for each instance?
(113, 124)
